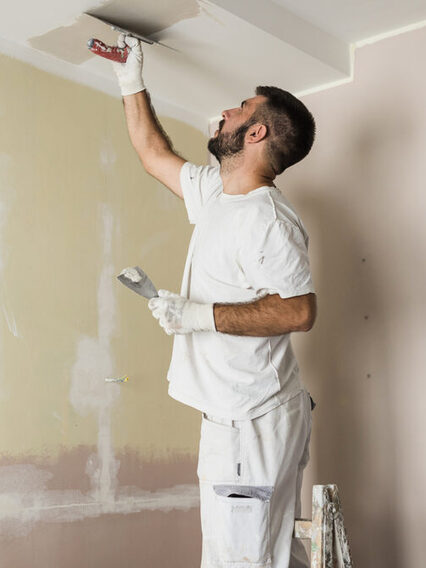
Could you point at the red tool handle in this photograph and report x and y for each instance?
(108, 51)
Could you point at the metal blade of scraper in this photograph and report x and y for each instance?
(138, 281)
(129, 32)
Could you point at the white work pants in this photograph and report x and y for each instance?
(250, 475)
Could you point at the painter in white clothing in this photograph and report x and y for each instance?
(244, 247)
(247, 282)
(257, 278)
(246, 287)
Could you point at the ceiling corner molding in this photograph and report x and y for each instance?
(291, 29)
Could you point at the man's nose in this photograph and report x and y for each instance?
(225, 114)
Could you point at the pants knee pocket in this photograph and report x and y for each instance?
(242, 515)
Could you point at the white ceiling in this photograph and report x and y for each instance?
(222, 48)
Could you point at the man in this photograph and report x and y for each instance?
(246, 287)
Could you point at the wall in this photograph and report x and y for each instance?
(76, 207)
(91, 473)
(360, 193)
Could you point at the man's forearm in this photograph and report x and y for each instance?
(145, 130)
(267, 316)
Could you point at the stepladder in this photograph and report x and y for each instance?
(326, 530)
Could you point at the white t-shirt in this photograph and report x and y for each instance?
(242, 248)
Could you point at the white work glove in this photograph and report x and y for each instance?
(130, 73)
(180, 315)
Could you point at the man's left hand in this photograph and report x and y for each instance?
(180, 315)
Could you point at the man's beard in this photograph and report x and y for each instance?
(227, 144)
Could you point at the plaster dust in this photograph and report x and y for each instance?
(69, 42)
(132, 274)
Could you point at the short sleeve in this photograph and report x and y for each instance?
(275, 260)
(199, 184)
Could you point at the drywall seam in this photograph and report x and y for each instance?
(21, 510)
(89, 392)
(24, 498)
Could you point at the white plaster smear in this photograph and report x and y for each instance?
(89, 392)
(24, 496)
(10, 320)
(132, 274)
(107, 154)
(24, 500)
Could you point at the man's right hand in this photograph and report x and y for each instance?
(130, 73)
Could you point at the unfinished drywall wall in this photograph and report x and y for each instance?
(75, 204)
(82, 460)
(361, 195)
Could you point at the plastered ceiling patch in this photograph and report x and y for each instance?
(69, 42)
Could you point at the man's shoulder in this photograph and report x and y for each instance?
(204, 173)
(269, 214)
(268, 207)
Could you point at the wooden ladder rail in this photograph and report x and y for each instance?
(326, 530)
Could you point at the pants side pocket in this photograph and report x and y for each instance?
(219, 452)
(242, 515)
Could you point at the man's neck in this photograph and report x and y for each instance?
(239, 178)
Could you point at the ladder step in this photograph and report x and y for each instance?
(302, 528)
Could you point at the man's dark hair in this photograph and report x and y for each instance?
(291, 127)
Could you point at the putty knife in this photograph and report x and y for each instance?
(115, 53)
(136, 279)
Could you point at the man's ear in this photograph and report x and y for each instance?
(256, 133)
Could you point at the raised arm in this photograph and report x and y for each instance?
(151, 143)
